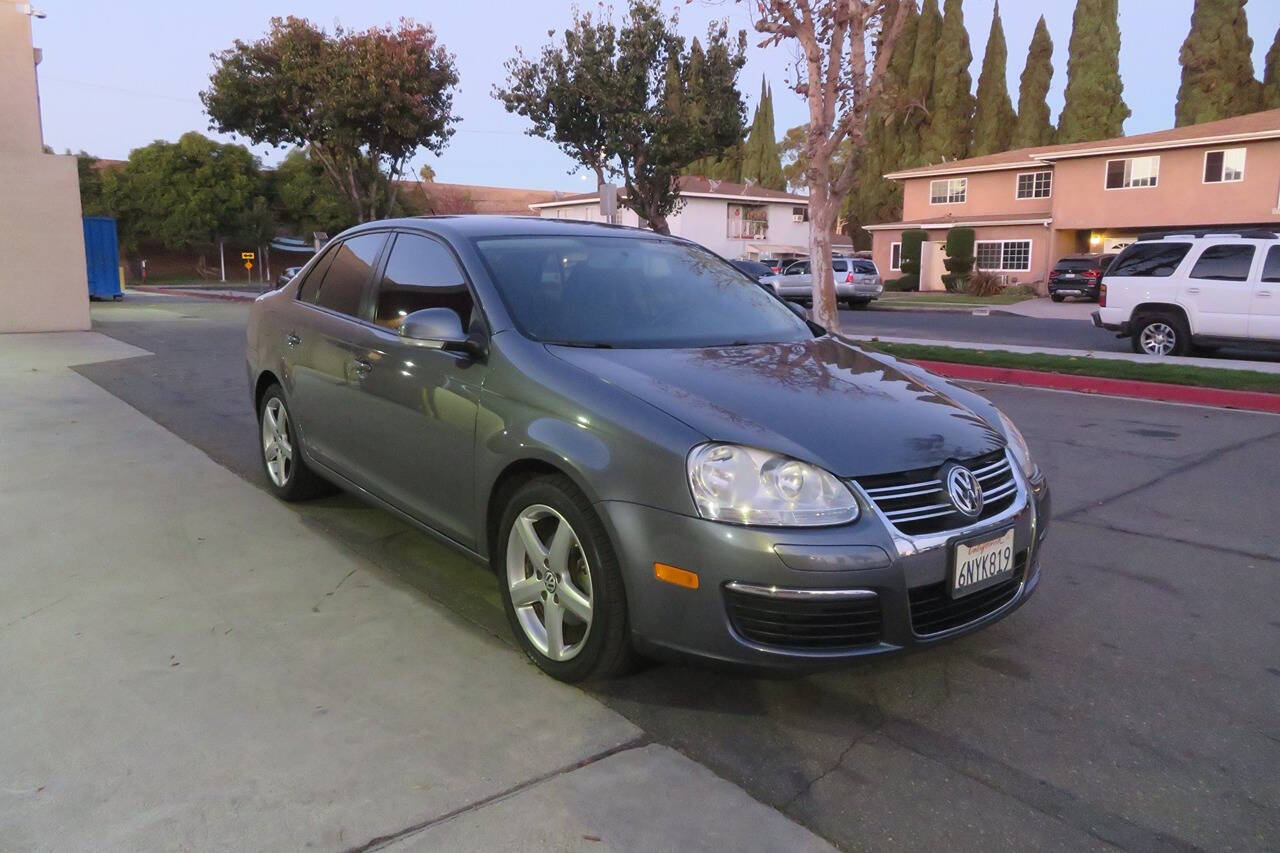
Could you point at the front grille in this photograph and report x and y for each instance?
(933, 610)
(823, 624)
(915, 503)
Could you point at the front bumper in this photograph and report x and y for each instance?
(842, 563)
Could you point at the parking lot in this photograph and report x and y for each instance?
(1131, 703)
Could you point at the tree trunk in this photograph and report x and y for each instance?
(658, 224)
(822, 215)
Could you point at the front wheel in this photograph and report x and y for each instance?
(288, 475)
(562, 588)
(1161, 334)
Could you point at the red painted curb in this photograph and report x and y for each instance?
(1255, 401)
(182, 291)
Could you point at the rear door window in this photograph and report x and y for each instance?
(1229, 262)
(350, 274)
(310, 286)
(1271, 267)
(1157, 260)
(420, 273)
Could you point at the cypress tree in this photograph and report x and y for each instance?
(951, 127)
(761, 161)
(919, 89)
(1271, 77)
(1033, 127)
(993, 117)
(728, 165)
(1095, 108)
(1217, 65)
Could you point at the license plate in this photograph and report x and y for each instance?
(981, 563)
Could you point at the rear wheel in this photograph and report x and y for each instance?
(1161, 334)
(1057, 297)
(561, 586)
(855, 303)
(288, 474)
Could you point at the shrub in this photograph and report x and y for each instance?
(911, 240)
(1021, 290)
(903, 284)
(954, 282)
(984, 284)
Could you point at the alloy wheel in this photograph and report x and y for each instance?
(1158, 339)
(277, 450)
(549, 582)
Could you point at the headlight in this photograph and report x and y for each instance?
(743, 485)
(1018, 445)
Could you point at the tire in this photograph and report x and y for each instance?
(525, 562)
(288, 475)
(1057, 297)
(1162, 334)
(855, 304)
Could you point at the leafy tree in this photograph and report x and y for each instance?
(1094, 108)
(761, 161)
(632, 101)
(1271, 76)
(1217, 65)
(1032, 127)
(354, 100)
(912, 240)
(959, 259)
(951, 125)
(305, 199)
(840, 79)
(92, 199)
(917, 100)
(190, 194)
(993, 117)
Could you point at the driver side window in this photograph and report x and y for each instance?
(420, 273)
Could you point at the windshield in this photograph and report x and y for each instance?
(632, 292)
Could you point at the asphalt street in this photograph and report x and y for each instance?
(1131, 703)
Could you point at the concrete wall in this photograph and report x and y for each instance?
(43, 282)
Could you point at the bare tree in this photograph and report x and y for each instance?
(837, 40)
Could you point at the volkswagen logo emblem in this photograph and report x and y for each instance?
(963, 490)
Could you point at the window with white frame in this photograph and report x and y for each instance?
(1133, 172)
(800, 214)
(748, 221)
(1224, 167)
(1035, 184)
(948, 191)
(895, 256)
(1002, 255)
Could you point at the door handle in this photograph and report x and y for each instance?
(292, 340)
(1193, 290)
(1266, 294)
(361, 368)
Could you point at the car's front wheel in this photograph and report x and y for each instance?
(562, 588)
(1161, 334)
(288, 475)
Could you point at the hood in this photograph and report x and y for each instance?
(822, 401)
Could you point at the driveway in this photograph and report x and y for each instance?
(1131, 703)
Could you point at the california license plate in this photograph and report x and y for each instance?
(981, 563)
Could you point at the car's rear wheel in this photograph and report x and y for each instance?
(562, 588)
(288, 474)
(1057, 297)
(857, 303)
(1161, 334)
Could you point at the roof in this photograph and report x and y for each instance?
(691, 185)
(950, 221)
(1261, 125)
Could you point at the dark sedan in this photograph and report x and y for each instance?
(650, 452)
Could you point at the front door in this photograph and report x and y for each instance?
(1264, 316)
(421, 403)
(931, 266)
(1217, 292)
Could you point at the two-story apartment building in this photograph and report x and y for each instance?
(1031, 206)
(732, 220)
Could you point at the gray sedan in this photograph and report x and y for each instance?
(653, 454)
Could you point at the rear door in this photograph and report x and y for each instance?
(1217, 291)
(795, 281)
(1264, 318)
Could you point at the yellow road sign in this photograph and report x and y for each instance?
(247, 256)
(248, 265)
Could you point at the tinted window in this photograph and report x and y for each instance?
(1271, 267)
(349, 273)
(1075, 264)
(1149, 259)
(311, 284)
(632, 292)
(840, 266)
(861, 266)
(420, 273)
(1224, 263)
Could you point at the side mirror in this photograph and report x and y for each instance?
(439, 328)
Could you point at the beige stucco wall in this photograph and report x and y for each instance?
(988, 193)
(43, 283)
(1046, 247)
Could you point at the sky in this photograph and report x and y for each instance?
(118, 75)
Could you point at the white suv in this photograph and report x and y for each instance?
(1203, 289)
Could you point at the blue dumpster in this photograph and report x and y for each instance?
(102, 257)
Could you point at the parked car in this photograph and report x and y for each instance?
(651, 453)
(857, 281)
(287, 275)
(1078, 275)
(1171, 293)
(755, 269)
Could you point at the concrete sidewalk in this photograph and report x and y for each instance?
(185, 663)
(1217, 363)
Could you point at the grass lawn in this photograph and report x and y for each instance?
(1173, 373)
(957, 299)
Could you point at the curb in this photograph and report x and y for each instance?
(1162, 392)
(183, 291)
